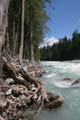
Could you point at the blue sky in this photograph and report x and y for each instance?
(65, 18)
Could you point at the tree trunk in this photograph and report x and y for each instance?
(14, 39)
(4, 4)
(31, 50)
(31, 47)
(22, 35)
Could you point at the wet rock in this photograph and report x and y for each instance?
(75, 82)
(67, 79)
(54, 101)
(52, 97)
(54, 104)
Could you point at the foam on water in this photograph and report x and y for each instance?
(66, 84)
(69, 69)
(62, 84)
(50, 75)
(54, 82)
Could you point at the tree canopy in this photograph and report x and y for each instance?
(35, 18)
(64, 49)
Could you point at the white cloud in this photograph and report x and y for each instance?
(49, 41)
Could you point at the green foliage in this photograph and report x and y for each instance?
(35, 19)
(65, 49)
(35, 23)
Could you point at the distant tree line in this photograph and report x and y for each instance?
(65, 49)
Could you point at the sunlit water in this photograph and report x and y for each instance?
(56, 72)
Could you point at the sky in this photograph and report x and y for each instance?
(65, 18)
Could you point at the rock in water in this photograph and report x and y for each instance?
(67, 79)
(54, 101)
(75, 82)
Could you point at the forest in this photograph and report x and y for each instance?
(22, 28)
(64, 49)
(33, 15)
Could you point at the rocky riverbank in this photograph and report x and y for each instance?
(21, 95)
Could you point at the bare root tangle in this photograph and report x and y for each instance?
(22, 96)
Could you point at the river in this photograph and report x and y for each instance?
(53, 80)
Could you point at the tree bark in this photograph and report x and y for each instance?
(14, 39)
(22, 34)
(4, 5)
(31, 47)
(31, 36)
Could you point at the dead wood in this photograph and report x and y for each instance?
(24, 94)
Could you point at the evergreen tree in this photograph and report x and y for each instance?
(65, 49)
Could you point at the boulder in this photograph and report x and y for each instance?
(54, 101)
(52, 97)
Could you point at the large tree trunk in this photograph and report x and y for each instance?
(22, 34)
(4, 4)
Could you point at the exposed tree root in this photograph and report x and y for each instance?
(21, 95)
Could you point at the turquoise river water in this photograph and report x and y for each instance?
(56, 72)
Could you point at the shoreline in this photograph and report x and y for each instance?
(23, 95)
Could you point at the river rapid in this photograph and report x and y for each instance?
(53, 80)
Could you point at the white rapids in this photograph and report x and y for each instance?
(63, 78)
(66, 84)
